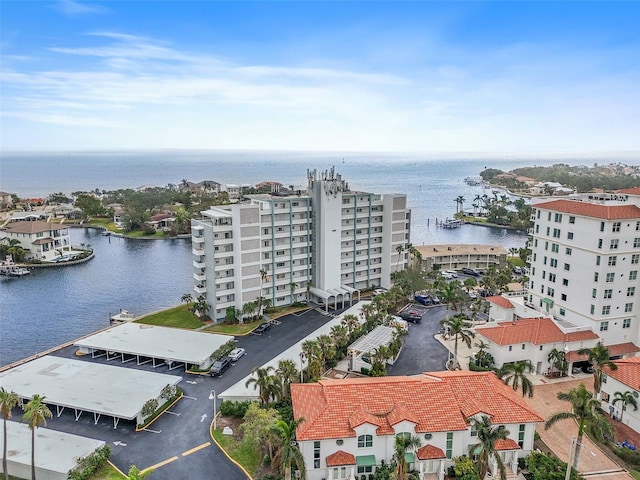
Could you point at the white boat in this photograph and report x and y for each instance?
(13, 271)
(121, 317)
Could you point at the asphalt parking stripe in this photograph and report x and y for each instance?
(161, 464)
(195, 449)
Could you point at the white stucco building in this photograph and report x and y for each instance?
(326, 243)
(585, 261)
(626, 378)
(350, 425)
(43, 240)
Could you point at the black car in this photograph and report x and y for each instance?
(219, 366)
(470, 271)
(412, 316)
(260, 329)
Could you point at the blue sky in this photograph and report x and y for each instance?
(340, 76)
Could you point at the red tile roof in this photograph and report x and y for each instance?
(340, 458)
(587, 209)
(434, 402)
(33, 227)
(628, 372)
(500, 301)
(618, 349)
(630, 191)
(430, 452)
(532, 330)
(508, 444)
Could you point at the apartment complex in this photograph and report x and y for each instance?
(323, 244)
(585, 261)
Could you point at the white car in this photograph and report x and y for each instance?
(236, 353)
(451, 273)
(378, 291)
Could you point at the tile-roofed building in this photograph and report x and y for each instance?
(618, 350)
(361, 417)
(500, 301)
(43, 241)
(532, 339)
(588, 209)
(625, 378)
(456, 256)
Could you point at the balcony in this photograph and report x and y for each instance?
(198, 264)
(197, 239)
(200, 277)
(200, 289)
(198, 250)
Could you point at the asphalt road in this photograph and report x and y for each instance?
(181, 438)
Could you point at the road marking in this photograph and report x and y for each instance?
(193, 450)
(172, 413)
(204, 415)
(152, 431)
(160, 464)
(187, 396)
(191, 382)
(119, 443)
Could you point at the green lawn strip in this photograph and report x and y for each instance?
(141, 234)
(106, 223)
(516, 262)
(107, 472)
(179, 317)
(237, 329)
(245, 455)
(635, 474)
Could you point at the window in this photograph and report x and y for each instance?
(548, 231)
(544, 261)
(365, 441)
(550, 291)
(567, 267)
(613, 259)
(552, 277)
(616, 227)
(562, 311)
(636, 242)
(549, 216)
(599, 243)
(638, 226)
(555, 248)
(635, 258)
(570, 235)
(558, 218)
(626, 323)
(602, 226)
(521, 429)
(553, 262)
(568, 251)
(610, 277)
(598, 260)
(563, 297)
(546, 245)
(510, 347)
(628, 307)
(556, 233)
(316, 454)
(523, 346)
(596, 275)
(604, 326)
(614, 244)
(594, 293)
(449, 449)
(572, 219)
(365, 469)
(606, 309)
(608, 293)
(592, 309)
(544, 274)
(633, 275)
(565, 282)
(631, 291)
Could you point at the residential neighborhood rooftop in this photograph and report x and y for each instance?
(538, 331)
(33, 227)
(628, 372)
(588, 209)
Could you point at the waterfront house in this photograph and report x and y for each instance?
(350, 425)
(457, 256)
(44, 241)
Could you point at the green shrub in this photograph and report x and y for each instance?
(223, 350)
(627, 455)
(542, 467)
(364, 371)
(90, 464)
(234, 409)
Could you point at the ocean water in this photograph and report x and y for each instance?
(57, 305)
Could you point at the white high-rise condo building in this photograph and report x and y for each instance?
(585, 258)
(324, 244)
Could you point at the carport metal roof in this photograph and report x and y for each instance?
(172, 344)
(86, 387)
(379, 336)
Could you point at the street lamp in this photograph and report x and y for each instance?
(212, 396)
(572, 453)
(301, 370)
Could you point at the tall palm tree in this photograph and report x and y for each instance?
(626, 398)
(558, 360)
(488, 435)
(289, 454)
(36, 413)
(586, 411)
(599, 358)
(288, 374)
(264, 277)
(8, 400)
(459, 327)
(399, 249)
(515, 372)
(403, 444)
(264, 382)
(340, 335)
(315, 360)
(351, 322)
(451, 295)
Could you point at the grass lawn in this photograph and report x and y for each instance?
(238, 329)
(635, 474)
(180, 317)
(107, 473)
(516, 262)
(141, 234)
(245, 455)
(106, 223)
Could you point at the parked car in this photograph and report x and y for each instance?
(447, 276)
(412, 316)
(470, 271)
(260, 329)
(472, 294)
(423, 299)
(453, 273)
(219, 366)
(435, 300)
(517, 270)
(236, 353)
(378, 291)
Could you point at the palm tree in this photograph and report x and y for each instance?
(186, 298)
(488, 435)
(399, 249)
(289, 454)
(626, 398)
(36, 413)
(451, 295)
(264, 277)
(599, 358)
(315, 360)
(327, 348)
(288, 374)
(264, 382)
(292, 287)
(403, 443)
(351, 322)
(135, 474)
(458, 326)
(340, 335)
(558, 360)
(585, 410)
(515, 372)
(8, 400)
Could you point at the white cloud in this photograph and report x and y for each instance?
(73, 8)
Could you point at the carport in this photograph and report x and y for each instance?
(338, 294)
(156, 345)
(87, 387)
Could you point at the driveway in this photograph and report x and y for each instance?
(178, 444)
(421, 351)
